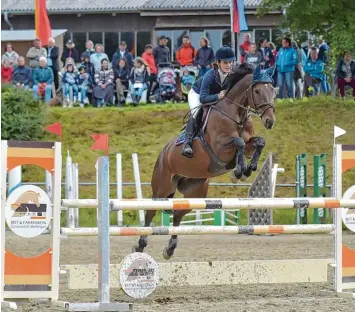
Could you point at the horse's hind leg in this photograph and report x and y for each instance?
(163, 187)
(190, 188)
(258, 144)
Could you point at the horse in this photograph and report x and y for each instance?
(226, 140)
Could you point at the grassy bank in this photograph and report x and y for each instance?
(302, 127)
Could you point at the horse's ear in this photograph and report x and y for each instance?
(257, 73)
(270, 71)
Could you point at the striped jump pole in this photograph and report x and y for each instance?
(204, 230)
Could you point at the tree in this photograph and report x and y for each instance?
(334, 20)
(22, 117)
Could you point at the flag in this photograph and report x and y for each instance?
(101, 142)
(56, 129)
(338, 132)
(238, 16)
(43, 26)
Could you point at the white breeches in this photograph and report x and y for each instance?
(194, 102)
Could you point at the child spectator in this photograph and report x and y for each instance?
(70, 85)
(346, 74)
(139, 78)
(122, 73)
(187, 79)
(84, 82)
(253, 57)
(6, 72)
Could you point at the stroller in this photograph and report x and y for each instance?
(166, 83)
(185, 89)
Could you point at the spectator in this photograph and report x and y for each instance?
(286, 60)
(324, 55)
(89, 67)
(272, 47)
(84, 82)
(346, 74)
(70, 51)
(298, 75)
(253, 57)
(204, 57)
(97, 57)
(148, 58)
(314, 74)
(52, 60)
(244, 47)
(186, 54)
(122, 74)
(6, 72)
(35, 53)
(161, 52)
(266, 53)
(103, 90)
(122, 52)
(42, 80)
(22, 75)
(187, 79)
(89, 48)
(10, 55)
(70, 84)
(138, 80)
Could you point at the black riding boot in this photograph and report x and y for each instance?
(187, 149)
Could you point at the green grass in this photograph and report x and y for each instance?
(304, 126)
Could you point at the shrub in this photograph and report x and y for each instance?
(22, 116)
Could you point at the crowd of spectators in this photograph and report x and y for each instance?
(90, 76)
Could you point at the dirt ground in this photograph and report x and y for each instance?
(241, 298)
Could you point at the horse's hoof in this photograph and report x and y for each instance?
(247, 173)
(166, 254)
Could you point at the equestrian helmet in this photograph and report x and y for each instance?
(225, 53)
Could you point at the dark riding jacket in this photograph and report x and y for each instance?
(209, 86)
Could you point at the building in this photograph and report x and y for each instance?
(139, 22)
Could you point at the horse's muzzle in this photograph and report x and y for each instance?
(269, 123)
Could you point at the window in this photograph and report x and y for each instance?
(276, 37)
(128, 37)
(96, 37)
(214, 36)
(111, 43)
(79, 39)
(143, 38)
(67, 36)
(227, 38)
(261, 33)
(177, 39)
(195, 37)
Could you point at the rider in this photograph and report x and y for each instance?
(210, 88)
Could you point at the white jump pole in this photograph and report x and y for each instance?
(69, 190)
(137, 180)
(119, 187)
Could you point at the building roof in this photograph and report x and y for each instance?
(194, 4)
(26, 35)
(77, 6)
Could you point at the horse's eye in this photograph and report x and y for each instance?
(257, 91)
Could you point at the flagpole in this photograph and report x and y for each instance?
(231, 9)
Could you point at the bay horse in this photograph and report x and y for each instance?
(228, 138)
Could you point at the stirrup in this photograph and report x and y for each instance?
(185, 153)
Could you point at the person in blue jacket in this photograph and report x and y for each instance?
(210, 88)
(314, 69)
(286, 60)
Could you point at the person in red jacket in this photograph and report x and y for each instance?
(6, 72)
(244, 47)
(186, 54)
(148, 58)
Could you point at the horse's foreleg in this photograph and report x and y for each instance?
(240, 158)
(258, 144)
(143, 240)
(169, 251)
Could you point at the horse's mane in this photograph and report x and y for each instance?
(238, 74)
